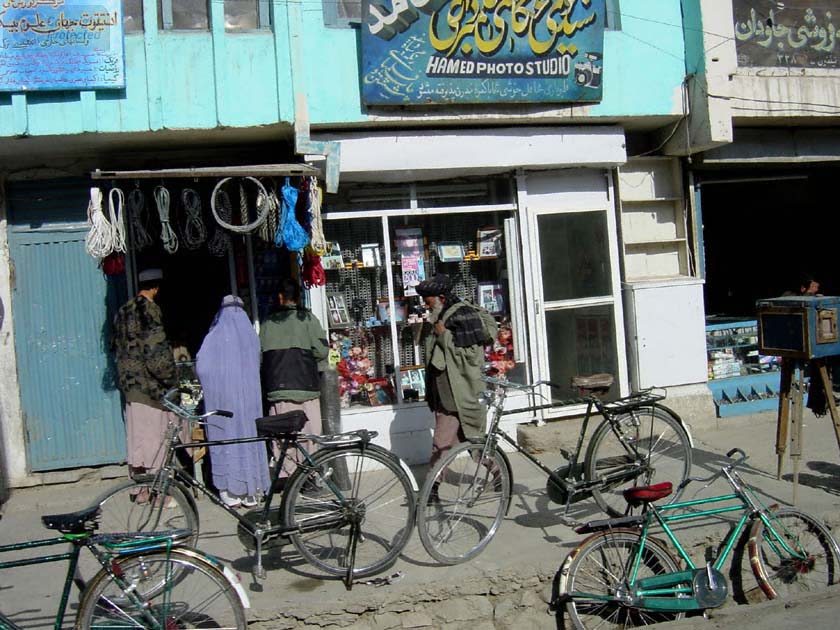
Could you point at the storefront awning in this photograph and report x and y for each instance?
(258, 170)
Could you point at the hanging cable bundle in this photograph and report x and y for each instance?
(140, 238)
(312, 273)
(290, 234)
(219, 244)
(99, 241)
(269, 227)
(167, 234)
(318, 242)
(194, 233)
(225, 222)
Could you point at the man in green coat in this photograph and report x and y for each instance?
(454, 360)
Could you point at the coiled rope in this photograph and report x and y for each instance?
(220, 242)
(140, 238)
(167, 234)
(269, 227)
(317, 241)
(99, 240)
(116, 214)
(195, 232)
(262, 211)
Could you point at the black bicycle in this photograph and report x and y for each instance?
(348, 508)
(467, 493)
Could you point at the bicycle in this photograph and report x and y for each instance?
(623, 577)
(468, 491)
(348, 508)
(143, 581)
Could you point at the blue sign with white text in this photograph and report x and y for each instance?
(61, 45)
(482, 51)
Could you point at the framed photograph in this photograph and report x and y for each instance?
(488, 242)
(380, 392)
(383, 310)
(491, 297)
(332, 259)
(413, 382)
(339, 316)
(450, 251)
(370, 255)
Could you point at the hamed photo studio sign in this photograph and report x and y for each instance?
(482, 51)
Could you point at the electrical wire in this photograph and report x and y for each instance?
(167, 234)
(194, 232)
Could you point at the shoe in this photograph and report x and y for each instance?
(250, 502)
(230, 500)
(167, 504)
(141, 497)
(434, 496)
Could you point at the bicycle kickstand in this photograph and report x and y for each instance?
(351, 555)
(259, 570)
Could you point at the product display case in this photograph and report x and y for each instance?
(741, 379)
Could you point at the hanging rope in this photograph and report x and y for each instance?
(290, 234)
(99, 240)
(167, 234)
(116, 202)
(245, 228)
(220, 243)
(140, 238)
(318, 242)
(195, 233)
(269, 227)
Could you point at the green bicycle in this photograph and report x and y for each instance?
(622, 577)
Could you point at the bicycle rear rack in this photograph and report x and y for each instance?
(633, 401)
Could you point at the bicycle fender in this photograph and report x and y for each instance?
(399, 460)
(230, 576)
(681, 422)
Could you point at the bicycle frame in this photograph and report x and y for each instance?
(673, 592)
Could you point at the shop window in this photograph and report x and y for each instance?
(246, 15)
(342, 13)
(132, 16)
(183, 15)
(376, 320)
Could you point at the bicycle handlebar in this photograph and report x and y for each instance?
(169, 403)
(728, 467)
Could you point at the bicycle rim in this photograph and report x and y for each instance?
(797, 555)
(198, 596)
(653, 448)
(462, 503)
(599, 567)
(371, 488)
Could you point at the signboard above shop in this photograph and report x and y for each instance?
(417, 52)
(61, 45)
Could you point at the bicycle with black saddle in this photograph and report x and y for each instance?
(348, 507)
(467, 493)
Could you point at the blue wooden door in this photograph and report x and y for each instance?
(62, 308)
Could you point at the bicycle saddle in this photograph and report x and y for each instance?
(593, 382)
(281, 425)
(74, 522)
(647, 494)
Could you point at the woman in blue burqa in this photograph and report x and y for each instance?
(228, 366)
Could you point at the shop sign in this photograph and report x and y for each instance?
(793, 33)
(61, 45)
(488, 51)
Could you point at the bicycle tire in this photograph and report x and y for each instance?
(199, 597)
(462, 503)
(666, 438)
(598, 566)
(777, 573)
(374, 487)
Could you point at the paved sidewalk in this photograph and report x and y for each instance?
(506, 586)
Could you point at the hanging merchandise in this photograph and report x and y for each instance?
(290, 234)
(167, 234)
(269, 227)
(194, 232)
(140, 238)
(245, 227)
(220, 243)
(312, 273)
(318, 242)
(105, 237)
(113, 264)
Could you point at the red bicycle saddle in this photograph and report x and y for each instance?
(648, 494)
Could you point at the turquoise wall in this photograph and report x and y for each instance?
(644, 64)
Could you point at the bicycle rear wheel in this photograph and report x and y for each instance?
(796, 554)
(371, 487)
(641, 447)
(598, 569)
(176, 589)
(463, 502)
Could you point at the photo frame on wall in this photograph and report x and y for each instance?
(491, 297)
(413, 382)
(370, 255)
(450, 251)
(339, 316)
(332, 259)
(488, 242)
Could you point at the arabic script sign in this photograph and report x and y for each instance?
(481, 51)
(61, 45)
(793, 33)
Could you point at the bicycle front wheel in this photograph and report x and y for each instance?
(365, 486)
(638, 448)
(463, 502)
(173, 589)
(596, 573)
(795, 554)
